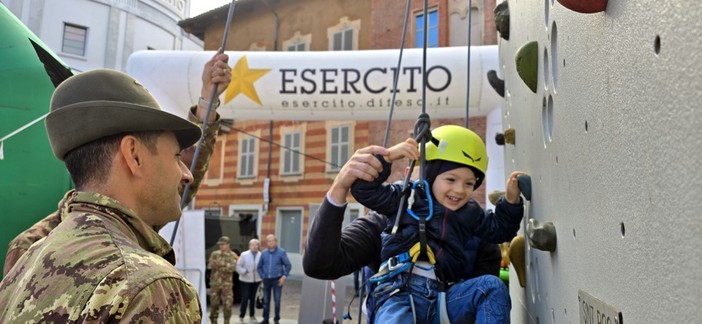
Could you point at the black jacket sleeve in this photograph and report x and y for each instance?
(377, 195)
(487, 260)
(332, 252)
(495, 227)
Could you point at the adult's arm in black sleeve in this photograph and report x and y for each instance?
(332, 252)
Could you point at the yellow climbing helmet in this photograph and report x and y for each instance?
(460, 145)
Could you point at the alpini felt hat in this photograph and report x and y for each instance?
(223, 240)
(105, 102)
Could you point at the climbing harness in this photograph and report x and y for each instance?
(407, 261)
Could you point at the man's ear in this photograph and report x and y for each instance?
(131, 151)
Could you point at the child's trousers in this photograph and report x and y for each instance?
(484, 299)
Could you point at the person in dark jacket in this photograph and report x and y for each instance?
(457, 218)
(273, 267)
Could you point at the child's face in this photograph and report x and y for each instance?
(453, 188)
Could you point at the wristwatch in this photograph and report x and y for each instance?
(204, 103)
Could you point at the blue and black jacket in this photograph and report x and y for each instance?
(450, 234)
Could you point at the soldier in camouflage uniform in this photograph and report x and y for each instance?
(104, 262)
(19, 245)
(223, 264)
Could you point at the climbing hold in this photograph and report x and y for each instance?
(527, 60)
(510, 136)
(524, 183)
(516, 256)
(500, 139)
(494, 195)
(502, 19)
(542, 235)
(590, 6)
(496, 83)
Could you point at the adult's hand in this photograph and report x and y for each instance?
(361, 165)
(216, 73)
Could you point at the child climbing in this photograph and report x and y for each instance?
(426, 260)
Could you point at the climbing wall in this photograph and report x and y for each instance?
(611, 138)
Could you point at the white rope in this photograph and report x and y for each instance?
(15, 132)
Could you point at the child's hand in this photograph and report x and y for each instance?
(512, 191)
(407, 149)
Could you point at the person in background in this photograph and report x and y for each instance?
(273, 268)
(215, 73)
(249, 279)
(223, 264)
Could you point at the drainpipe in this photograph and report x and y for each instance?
(270, 122)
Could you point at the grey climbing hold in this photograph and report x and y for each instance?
(542, 235)
(502, 19)
(524, 183)
(496, 83)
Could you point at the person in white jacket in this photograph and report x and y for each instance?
(249, 278)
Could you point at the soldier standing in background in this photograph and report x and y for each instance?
(223, 264)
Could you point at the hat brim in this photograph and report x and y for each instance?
(84, 122)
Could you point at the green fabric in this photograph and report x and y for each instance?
(33, 180)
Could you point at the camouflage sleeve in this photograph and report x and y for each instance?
(203, 160)
(230, 266)
(24, 240)
(211, 261)
(168, 300)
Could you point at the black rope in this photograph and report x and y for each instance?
(422, 157)
(397, 73)
(470, 14)
(204, 123)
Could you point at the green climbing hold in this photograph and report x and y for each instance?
(527, 60)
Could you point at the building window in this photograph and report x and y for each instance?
(344, 36)
(255, 47)
(213, 211)
(343, 40)
(298, 42)
(339, 146)
(290, 229)
(432, 28)
(74, 38)
(215, 170)
(247, 158)
(290, 154)
(300, 47)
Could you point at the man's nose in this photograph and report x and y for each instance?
(187, 177)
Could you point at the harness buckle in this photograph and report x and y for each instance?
(394, 264)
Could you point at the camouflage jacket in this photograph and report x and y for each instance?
(21, 243)
(101, 264)
(223, 265)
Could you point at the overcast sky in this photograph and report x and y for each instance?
(199, 6)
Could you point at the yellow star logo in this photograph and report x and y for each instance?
(242, 82)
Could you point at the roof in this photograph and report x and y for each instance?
(198, 25)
